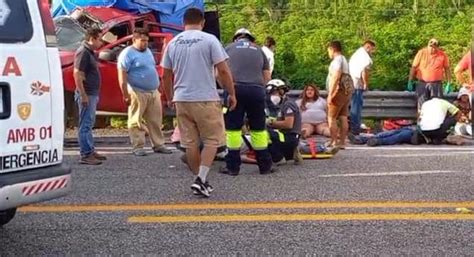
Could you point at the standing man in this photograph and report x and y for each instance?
(139, 83)
(462, 67)
(269, 49)
(359, 67)
(430, 67)
(340, 87)
(250, 72)
(191, 58)
(87, 79)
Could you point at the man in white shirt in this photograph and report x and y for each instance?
(359, 67)
(269, 50)
(437, 116)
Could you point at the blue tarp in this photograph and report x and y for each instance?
(166, 11)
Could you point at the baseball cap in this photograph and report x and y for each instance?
(463, 91)
(433, 42)
(243, 31)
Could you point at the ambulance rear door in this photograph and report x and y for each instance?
(26, 134)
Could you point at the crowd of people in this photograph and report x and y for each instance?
(257, 122)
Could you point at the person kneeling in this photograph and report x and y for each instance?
(284, 130)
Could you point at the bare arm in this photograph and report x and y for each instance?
(79, 78)
(123, 81)
(412, 73)
(365, 77)
(267, 76)
(448, 74)
(458, 72)
(333, 83)
(287, 123)
(225, 77)
(168, 84)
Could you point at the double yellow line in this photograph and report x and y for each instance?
(403, 205)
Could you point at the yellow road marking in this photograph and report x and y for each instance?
(300, 217)
(241, 206)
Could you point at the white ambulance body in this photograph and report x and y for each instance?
(31, 108)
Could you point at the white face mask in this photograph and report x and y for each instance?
(276, 99)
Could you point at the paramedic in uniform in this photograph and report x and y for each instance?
(250, 71)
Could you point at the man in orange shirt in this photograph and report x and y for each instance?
(431, 67)
(463, 66)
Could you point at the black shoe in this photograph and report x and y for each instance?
(373, 142)
(224, 170)
(199, 188)
(270, 171)
(355, 140)
(207, 185)
(415, 138)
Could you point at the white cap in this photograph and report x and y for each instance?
(243, 31)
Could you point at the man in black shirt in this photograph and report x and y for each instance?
(87, 79)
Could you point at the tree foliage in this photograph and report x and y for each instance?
(302, 29)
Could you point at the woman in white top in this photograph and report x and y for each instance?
(313, 112)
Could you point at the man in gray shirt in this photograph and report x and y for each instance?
(250, 72)
(191, 58)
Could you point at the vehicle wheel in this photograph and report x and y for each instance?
(6, 216)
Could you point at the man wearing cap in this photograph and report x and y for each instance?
(250, 72)
(430, 67)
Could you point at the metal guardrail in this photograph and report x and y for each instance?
(377, 104)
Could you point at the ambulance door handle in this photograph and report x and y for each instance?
(5, 102)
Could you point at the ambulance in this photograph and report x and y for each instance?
(31, 108)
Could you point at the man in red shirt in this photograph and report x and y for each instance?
(431, 67)
(464, 66)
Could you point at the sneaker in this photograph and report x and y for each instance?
(208, 187)
(200, 188)
(89, 160)
(372, 141)
(298, 159)
(139, 152)
(162, 149)
(99, 156)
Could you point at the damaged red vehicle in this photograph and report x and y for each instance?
(117, 27)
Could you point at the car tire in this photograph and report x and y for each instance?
(6, 216)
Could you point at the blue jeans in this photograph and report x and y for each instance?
(86, 123)
(392, 137)
(356, 110)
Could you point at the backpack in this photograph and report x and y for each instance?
(346, 84)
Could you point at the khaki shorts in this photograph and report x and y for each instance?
(200, 122)
(340, 107)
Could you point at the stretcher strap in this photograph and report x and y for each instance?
(312, 147)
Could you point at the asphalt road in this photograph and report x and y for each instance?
(365, 201)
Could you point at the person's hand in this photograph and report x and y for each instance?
(84, 100)
(232, 102)
(170, 105)
(365, 87)
(411, 85)
(270, 121)
(126, 98)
